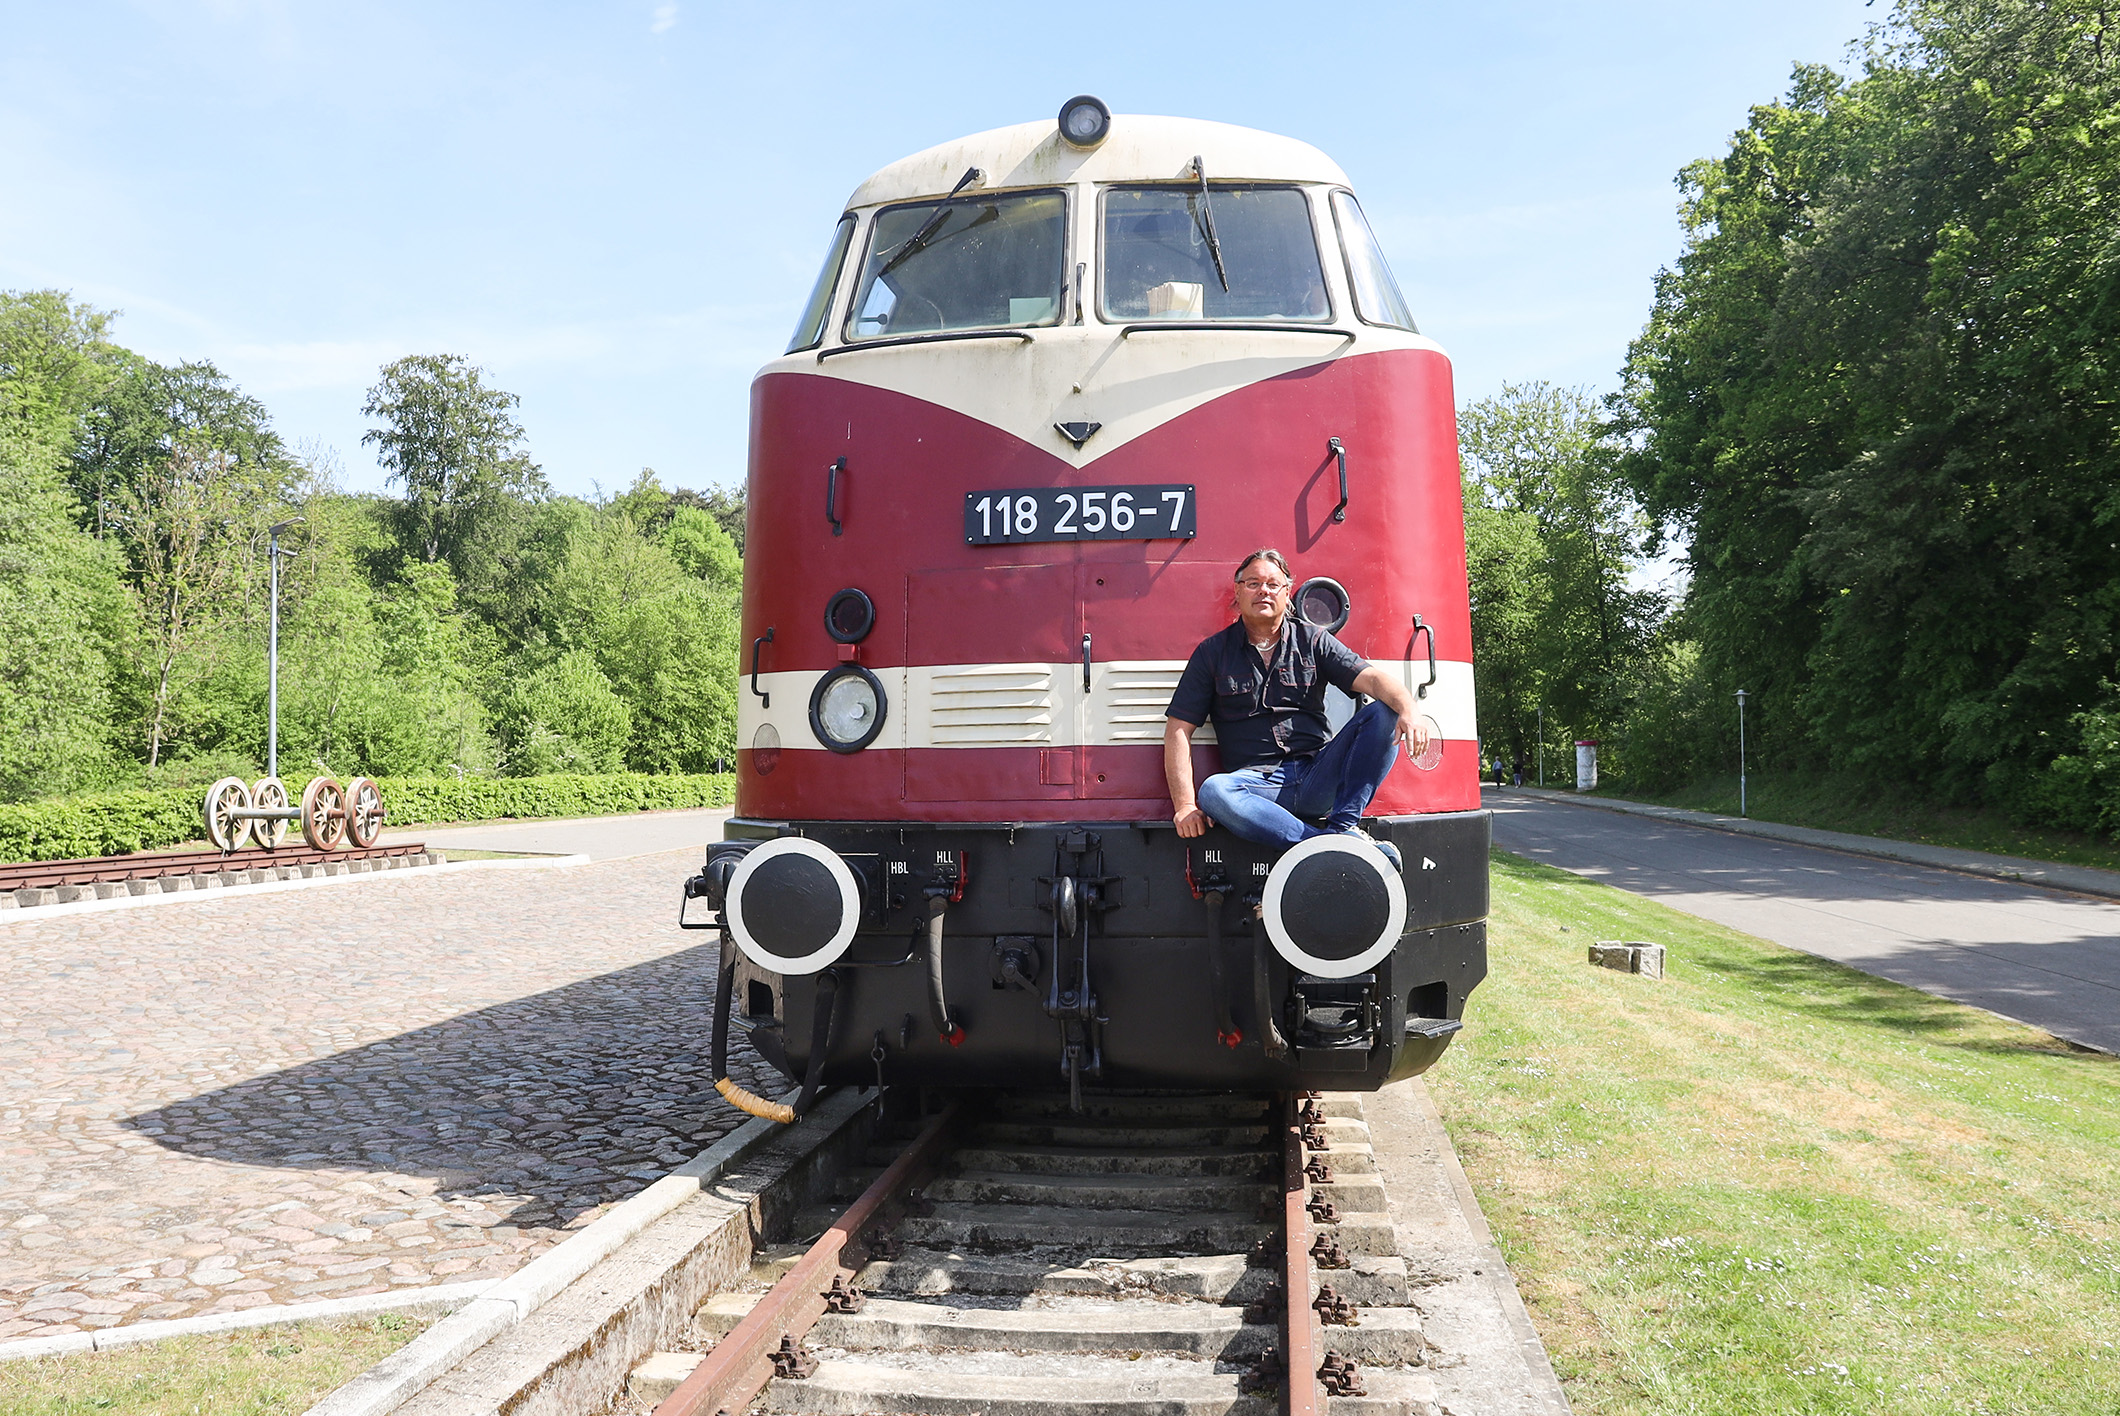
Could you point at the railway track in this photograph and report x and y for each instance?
(144, 866)
(1017, 1259)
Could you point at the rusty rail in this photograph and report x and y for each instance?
(743, 1362)
(154, 865)
(1299, 1323)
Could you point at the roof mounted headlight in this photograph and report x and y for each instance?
(1084, 121)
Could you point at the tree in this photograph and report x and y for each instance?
(146, 410)
(1878, 393)
(453, 444)
(1552, 536)
(61, 606)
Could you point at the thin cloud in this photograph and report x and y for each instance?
(665, 19)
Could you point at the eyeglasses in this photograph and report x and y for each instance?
(1274, 585)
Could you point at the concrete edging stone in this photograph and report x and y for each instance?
(448, 1296)
(412, 1368)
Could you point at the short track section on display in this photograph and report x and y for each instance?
(1019, 1258)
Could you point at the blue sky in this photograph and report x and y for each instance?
(617, 206)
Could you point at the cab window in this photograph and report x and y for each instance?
(809, 330)
(1376, 295)
(982, 262)
(1159, 263)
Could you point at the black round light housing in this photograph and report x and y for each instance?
(849, 616)
(1323, 602)
(1333, 906)
(1084, 121)
(792, 906)
(847, 708)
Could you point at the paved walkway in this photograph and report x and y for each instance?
(1973, 931)
(390, 1081)
(597, 837)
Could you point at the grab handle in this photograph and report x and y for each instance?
(831, 494)
(757, 646)
(1085, 663)
(1338, 451)
(1419, 629)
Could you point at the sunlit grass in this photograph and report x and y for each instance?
(1833, 803)
(1769, 1183)
(251, 1373)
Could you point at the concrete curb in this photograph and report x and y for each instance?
(26, 913)
(447, 1296)
(2053, 875)
(412, 1368)
(1501, 1279)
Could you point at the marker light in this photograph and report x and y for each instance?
(849, 616)
(1084, 121)
(1325, 603)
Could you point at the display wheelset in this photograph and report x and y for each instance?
(331, 815)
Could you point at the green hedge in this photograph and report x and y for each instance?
(116, 822)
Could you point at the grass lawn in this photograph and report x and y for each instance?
(1831, 803)
(1768, 1183)
(250, 1373)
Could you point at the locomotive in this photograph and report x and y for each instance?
(1054, 382)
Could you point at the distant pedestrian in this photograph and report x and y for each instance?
(1517, 769)
(1501, 772)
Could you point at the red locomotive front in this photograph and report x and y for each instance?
(1053, 386)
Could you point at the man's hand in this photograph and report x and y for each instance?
(1413, 731)
(1191, 821)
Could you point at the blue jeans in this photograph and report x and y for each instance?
(1283, 804)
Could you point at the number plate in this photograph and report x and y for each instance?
(1079, 514)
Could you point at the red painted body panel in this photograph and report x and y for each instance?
(1258, 457)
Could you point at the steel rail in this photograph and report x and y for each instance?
(1299, 1323)
(742, 1363)
(151, 865)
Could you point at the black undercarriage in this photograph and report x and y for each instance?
(1118, 955)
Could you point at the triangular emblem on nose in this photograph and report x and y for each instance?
(1078, 433)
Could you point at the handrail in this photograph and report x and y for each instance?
(896, 340)
(831, 494)
(1338, 450)
(757, 647)
(1265, 326)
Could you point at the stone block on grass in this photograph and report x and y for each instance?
(1629, 956)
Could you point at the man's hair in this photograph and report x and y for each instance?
(1264, 553)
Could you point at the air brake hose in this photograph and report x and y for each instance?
(938, 1005)
(735, 1095)
(1226, 1030)
(820, 1038)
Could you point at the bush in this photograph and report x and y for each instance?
(116, 822)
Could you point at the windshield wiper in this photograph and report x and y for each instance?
(928, 228)
(1207, 210)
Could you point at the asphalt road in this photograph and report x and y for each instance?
(2040, 956)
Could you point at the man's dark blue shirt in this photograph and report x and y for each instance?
(1265, 713)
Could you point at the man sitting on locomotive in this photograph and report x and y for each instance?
(1285, 775)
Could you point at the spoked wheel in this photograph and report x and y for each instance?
(268, 794)
(324, 813)
(223, 800)
(364, 811)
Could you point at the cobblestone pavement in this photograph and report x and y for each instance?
(400, 1080)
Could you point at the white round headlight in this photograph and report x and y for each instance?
(847, 708)
(1084, 120)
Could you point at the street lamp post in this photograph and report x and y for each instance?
(1542, 745)
(272, 656)
(1741, 804)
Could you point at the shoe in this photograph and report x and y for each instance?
(1390, 852)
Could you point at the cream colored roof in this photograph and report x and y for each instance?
(1138, 149)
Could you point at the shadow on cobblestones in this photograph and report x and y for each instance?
(565, 1100)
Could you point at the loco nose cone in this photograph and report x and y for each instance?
(792, 906)
(1334, 906)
